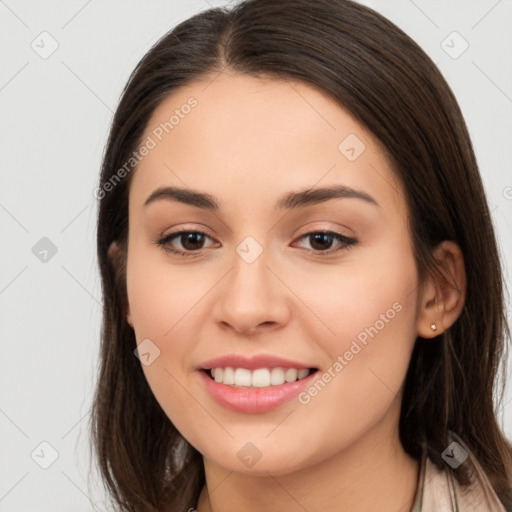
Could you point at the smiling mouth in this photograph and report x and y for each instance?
(257, 378)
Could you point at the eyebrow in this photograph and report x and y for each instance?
(289, 201)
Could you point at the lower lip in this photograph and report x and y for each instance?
(254, 400)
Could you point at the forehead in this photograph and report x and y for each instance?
(239, 136)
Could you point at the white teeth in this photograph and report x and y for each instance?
(259, 378)
(242, 377)
(303, 372)
(217, 375)
(277, 376)
(229, 376)
(290, 375)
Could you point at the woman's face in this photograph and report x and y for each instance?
(263, 289)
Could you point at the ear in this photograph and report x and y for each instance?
(118, 262)
(443, 295)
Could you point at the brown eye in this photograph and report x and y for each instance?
(322, 241)
(190, 241)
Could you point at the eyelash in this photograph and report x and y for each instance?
(347, 242)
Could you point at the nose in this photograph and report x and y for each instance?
(252, 298)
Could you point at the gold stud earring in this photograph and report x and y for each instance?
(434, 327)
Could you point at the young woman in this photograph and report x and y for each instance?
(303, 301)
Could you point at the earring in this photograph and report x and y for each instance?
(434, 327)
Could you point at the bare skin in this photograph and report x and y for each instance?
(248, 142)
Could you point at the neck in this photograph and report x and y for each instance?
(374, 473)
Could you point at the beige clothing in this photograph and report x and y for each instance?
(439, 491)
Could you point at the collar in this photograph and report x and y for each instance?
(439, 491)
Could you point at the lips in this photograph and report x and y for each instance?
(252, 363)
(254, 385)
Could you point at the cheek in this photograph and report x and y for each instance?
(162, 303)
(371, 295)
(370, 310)
(374, 321)
(161, 295)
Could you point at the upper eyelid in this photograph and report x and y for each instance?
(186, 229)
(176, 234)
(204, 232)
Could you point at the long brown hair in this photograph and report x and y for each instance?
(392, 87)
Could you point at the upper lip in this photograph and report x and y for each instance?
(251, 363)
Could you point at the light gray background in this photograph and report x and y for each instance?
(55, 114)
